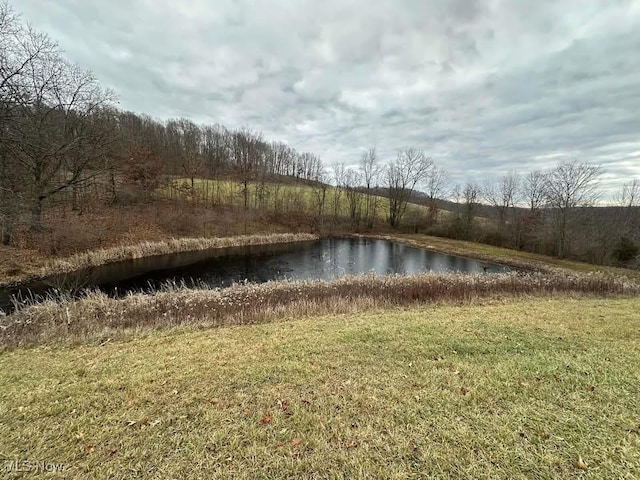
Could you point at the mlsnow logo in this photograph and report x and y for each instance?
(32, 466)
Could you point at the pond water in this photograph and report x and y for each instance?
(325, 259)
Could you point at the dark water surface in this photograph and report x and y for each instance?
(325, 259)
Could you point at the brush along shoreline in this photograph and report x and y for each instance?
(104, 256)
(521, 260)
(97, 316)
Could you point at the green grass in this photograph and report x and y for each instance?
(508, 256)
(291, 197)
(520, 389)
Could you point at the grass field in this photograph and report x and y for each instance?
(516, 389)
(296, 197)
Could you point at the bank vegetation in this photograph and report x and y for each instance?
(99, 317)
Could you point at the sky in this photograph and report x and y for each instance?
(484, 87)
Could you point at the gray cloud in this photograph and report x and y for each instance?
(483, 86)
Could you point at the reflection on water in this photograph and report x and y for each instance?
(323, 259)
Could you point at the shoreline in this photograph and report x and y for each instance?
(97, 317)
(522, 260)
(110, 255)
(525, 261)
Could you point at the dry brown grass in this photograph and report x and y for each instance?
(98, 316)
(68, 233)
(94, 258)
(174, 245)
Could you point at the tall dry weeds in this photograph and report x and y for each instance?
(95, 258)
(98, 316)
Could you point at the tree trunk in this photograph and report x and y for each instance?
(7, 231)
(36, 214)
(74, 198)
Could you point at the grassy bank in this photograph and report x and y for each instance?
(98, 317)
(95, 258)
(507, 256)
(526, 389)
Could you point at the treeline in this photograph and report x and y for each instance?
(553, 212)
(62, 138)
(64, 143)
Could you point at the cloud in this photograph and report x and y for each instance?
(485, 87)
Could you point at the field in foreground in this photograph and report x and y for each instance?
(520, 389)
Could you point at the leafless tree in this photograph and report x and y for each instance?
(503, 195)
(370, 172)
(410, 168)
(246, 160)
(533, 190)
(319, 188)
(338, 180)
(455, 194)
(627, 215)
(570, 185)
(471, 194)
(629, 194)
(53, 135)
(143, 170)
(192, 167)
(21, 49)
(282, 156)
(435, 186)
(351, 184)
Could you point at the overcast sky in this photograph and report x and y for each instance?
(483, 86)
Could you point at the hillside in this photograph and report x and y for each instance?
(285, 194)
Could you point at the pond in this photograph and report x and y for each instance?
(324, 259)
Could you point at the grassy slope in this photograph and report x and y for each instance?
(300, 195)
(514, 390)
(508, 256)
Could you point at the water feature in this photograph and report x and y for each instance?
(325, 259)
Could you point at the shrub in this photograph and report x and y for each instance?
(625, 250)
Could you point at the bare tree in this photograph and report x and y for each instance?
(143, 170)
(455, 194)
(629, 194)
(50, 114)
(54, 135)
(471, 194)
(503, 195)
(435, 186)
(533, 190)
(192, 167)
(351, 184)
(245, 143)
(338, 180)
(626, 221)
(319, 188)
(21, 50)
(282, 156)
(570, 185)
(403, 174)
(370, 171)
